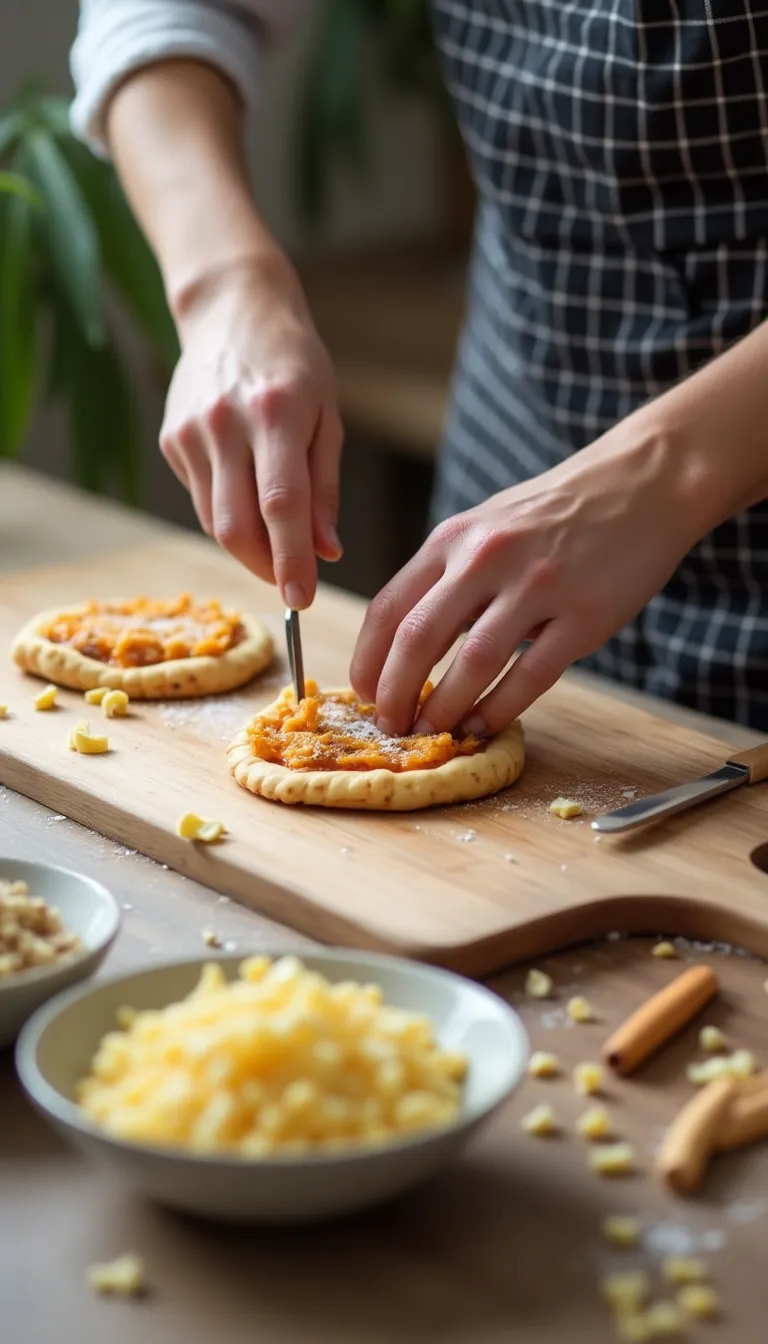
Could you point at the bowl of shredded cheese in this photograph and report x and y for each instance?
(274, 1089)
(56, 927)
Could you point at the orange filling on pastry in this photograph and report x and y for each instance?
(336, 731)
(141, 630)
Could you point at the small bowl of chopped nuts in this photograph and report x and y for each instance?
(274, 1089)
(56, 927)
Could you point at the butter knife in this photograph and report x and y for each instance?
(295, 655)
(744, 767)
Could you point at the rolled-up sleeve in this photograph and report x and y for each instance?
(115, 37)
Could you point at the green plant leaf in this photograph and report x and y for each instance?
(125, 252)
(12, 124)
(14, 183)
(104, 437)
(54, 113)
(17, 323)
(69, 231)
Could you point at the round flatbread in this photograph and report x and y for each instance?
(169, 676)
(493, 766)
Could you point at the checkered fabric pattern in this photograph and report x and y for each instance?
(621, 153)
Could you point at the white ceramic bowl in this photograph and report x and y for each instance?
(86, 908)
(57, 1045)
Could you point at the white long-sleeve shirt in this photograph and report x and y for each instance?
(116, 37)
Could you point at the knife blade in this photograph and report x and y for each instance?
(744, 767)
(295, 655)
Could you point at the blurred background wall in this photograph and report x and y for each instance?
(384, 270)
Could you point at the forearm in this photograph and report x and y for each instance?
(175, 131)
(714, 427)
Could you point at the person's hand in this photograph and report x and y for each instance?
(563, 560)
(252, 429)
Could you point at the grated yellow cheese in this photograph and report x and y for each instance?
(192, 827)
(712, 1039)
(543, 1065)
(46, 699)
(699, 1300)
(538, 984)
(741, 1064)
(595, 1123)
(621, 1230)
(679, 1269)
(579, 1010)
(615, 1159)
(123, 1277)
(540, 1122)
(588, 1078)
(565, 808)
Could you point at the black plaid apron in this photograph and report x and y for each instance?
(621, 153)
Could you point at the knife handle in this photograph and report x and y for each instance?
(753, 759)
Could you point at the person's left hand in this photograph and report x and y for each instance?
(563, 560)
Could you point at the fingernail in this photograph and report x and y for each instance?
(423, 728)
(476, 727)
(334, 540)
(295, 597)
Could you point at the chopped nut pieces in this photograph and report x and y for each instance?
(741, 1064)
(192, 827)
(565, 808)
(31, 932)
(87, 743)
(543, 1065)
(579, 1010)
(595, 1123)
(538, 984)
(621, 1230)
(699, 1300)
(712, 1039)
(667, 951)
(679, 1269)
(588, 1079)
(115, 704)
(46, 699)
(540, 1122)
(123, 1277)
(615, 1159)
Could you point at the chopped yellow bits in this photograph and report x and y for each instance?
(664, 1320)
(278, 1060)
(588, 1078)
(3, 711)
(614, 1159)
(95, 695)
(595, 1123)
(543, 1065)
(538, 984)
(579, 1010)
(741, 1064)
(666, 950)
(679, 1269)
(211, 938)
(699, 1300)
(83, 740)
(633, 1329)
(621, 1230)
(626, 1291)
(123, 1277)
(540, 1122)
(115, 704)
(192, 827)
(565, 808)
(46, 699)
(712, 1039)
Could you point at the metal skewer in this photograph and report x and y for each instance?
(295, 656)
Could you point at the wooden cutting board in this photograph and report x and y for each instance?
(473, 887)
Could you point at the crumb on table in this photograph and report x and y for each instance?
(595, 1123)
(543, 1065)
(580, 1010)
(712, 1039)
(540, 1122)
(192, 827)
(665, 950)
(614, 1159)
(682, 1269)
(699, 1300)
(741, 1064)
(621, 1229)
(123, 1277)
(82, 740)
(588, 1078)
(538, 984)
(566, 808)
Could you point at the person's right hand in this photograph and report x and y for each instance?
(252, 428)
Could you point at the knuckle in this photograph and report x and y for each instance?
(269, 404)
(230, 533)
(382, 611)
(217, 415)
(541, 669)
(544, 572)
(279, 501)
(485, 545)
(480, 650)
(447, 533)
(414, 629)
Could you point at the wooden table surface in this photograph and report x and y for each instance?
(505, 1247)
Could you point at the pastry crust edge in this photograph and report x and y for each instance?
(456, 781)
(175, 679)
